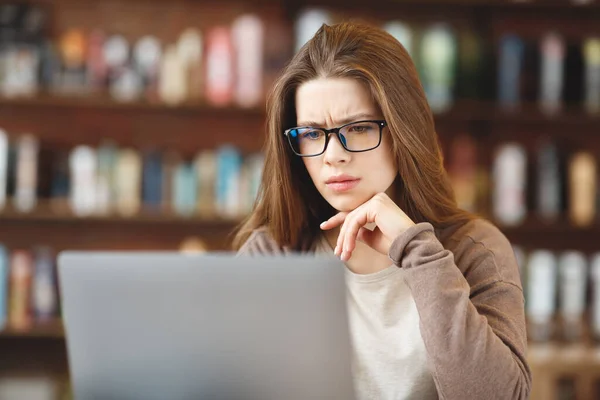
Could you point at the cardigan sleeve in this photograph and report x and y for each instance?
(472, 317)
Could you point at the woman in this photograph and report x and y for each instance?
(353, 166)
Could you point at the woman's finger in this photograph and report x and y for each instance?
(339, 245)
(341, 235)
(344, 254)
(334, 221)
(351, 232)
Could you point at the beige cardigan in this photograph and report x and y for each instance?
(466, 286)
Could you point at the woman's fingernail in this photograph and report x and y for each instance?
(335, 250)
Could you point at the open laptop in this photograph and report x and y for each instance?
(171, 326)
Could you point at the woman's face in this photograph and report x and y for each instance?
(345, 179)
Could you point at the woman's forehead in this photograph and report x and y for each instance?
(334, 101)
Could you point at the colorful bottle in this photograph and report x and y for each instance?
(248, 37)
(219, 67)
(45, 297)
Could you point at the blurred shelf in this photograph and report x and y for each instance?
(565, 358)
(62, 230)
(526, 113)
(105, 102)
(560, 5)
(39, 330)
(462, 111)
(187, 128)
(532, 113)
(557, 235)
(44, 214)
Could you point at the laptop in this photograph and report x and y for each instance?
(214, 326)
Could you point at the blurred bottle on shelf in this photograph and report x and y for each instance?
(206, 169)
(553, 52)
(82, 167)
(97, 68)
(147, 54)
(123, 83)
(549, 181)
(171, 162)
(438, 58)
(219, 67)
(20, 294)
(595, 298)
(573, 271)
(229, 165)
(510, 183)
(4, 285)
(472, 62)
(190, 52)
(60, 186)
(402, 32)
(44, 285)
(185, 189)
(128, 182)
(4, 149)
(582, 189)
(25, 197)
(172, 88)
(152, 180)
(72, 47)
(22, 30)
(542, 276)
(193, 245)
(591, 54)
(510, 67)
(248, 39)
(106, 177)
(308, 22)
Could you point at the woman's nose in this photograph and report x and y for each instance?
(335, 152)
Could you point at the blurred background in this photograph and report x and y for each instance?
(138, 125)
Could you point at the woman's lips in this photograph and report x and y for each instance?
(343, 186)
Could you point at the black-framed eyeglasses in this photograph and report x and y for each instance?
(356, 137)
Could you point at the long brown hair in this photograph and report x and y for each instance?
(289, 206)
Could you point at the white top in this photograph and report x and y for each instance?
(389, 356)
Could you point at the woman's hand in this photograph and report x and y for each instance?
(390, 221)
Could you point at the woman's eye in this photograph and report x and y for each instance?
(312, 135)
(358, 129)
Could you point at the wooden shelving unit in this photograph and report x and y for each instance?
(51, 329)
(578, 364)
(186, 128)
(43, 214)
(484, 4)
(101, 101)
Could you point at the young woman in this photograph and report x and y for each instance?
(353, 167)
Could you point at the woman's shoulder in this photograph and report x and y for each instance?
(481, 251)
(260, 242)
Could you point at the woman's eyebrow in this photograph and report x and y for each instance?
(356, 117)
(310, 123)
(343, 121)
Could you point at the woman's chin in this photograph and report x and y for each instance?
(345, 204)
